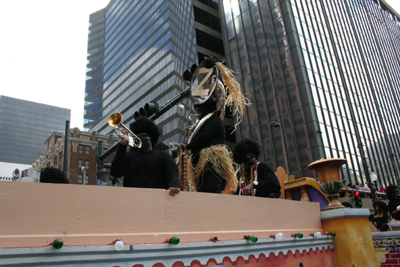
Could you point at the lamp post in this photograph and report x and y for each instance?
(84, 174)
(276, 124)
(66, 142)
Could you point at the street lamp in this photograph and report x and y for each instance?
(84, 174)
(276, 124)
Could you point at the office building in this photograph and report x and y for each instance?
(323, 77)
(25, 126)
(94, 69)
(137, 53)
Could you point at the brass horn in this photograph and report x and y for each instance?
(115, 120)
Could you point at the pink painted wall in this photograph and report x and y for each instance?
(34, 214)
(318, 258)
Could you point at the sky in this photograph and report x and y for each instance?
(43, 51)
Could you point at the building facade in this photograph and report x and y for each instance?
(94, 69)
(25, 126)
(323, 77)
(82, 152)
(137, 53)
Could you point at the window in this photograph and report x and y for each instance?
(87, 150)
(210, 42)
(80, 176)
(86, 164)
(80, 163)
(80, 149)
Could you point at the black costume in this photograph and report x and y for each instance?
(268, 183)
(53, 175)
(393, 194)
(393, 204)
(381, 215)
(212, 132)
(213, 88)
(152, 169)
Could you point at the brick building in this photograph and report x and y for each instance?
(82, 151)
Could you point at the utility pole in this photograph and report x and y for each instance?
(84, 174)
(66, 142)
(276, 124)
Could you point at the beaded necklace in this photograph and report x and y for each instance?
(247, 180)
(183, 171)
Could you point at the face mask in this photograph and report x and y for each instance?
(146, 141)
(397, 193)
(250, 158)
(202, 112)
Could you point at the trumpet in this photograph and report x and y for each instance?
(122, 131)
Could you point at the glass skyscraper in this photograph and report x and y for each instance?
(137, 52)
(323, 79)
(94, 70)
(25, 126)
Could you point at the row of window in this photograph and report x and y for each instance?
(92, 118)
(94, 91)
(95, 58)
(137, 28)
(93, 109)
(115, 13)
(80, 163)
(146, 48)
(95, 43)
(93, 83)
(96, 21)
(96, 28)
(95, 35)
(80, 179)
(94, 66)
(156, 76)
(139, 71)
(209, 42)
(248, 48)
(355, 72)
(211, 3)
(207, 19)
(134, 47)
(84, 149)
(93, 100)
(94, 74)
(95, 50)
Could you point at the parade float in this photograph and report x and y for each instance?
(73, 225)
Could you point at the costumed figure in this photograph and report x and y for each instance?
(53, 175)
(381, 216)
(213, 87)
(145, 167)
(393, 194)
(256, 178)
